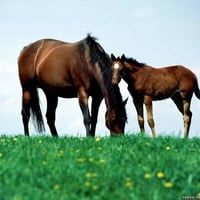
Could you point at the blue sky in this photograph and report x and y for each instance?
(159, 33)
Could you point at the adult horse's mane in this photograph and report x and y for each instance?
(98, 55)
(133, 61)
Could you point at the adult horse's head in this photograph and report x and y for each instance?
(116, 116)
(101, 67)
(117, 66)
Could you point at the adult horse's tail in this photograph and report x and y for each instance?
(196, 90)
(36, 114)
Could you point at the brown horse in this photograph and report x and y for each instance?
(69, 70)
(146, 84)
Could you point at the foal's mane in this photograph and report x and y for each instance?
(133, 61)
(98, 55)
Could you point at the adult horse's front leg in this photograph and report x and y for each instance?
(83, 102)
(149, 108)
(52, 102)
(96, 101)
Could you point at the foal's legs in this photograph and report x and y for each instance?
(148, 104)
(83, 102)
(184, 108)
(186, 117)
(138, 102)
(178, 101)
(52, 102)
(26, 100)
(96, 100)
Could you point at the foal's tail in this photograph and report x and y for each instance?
(196, 90)
(36, 113)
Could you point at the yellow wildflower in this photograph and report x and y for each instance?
(102, 161)
(56, 187)
(15, 139)
(87, 184)
(60, 153)
(147, 176)
(1, 155)
(90, 175)
(168, 184)
(100, 148)
(40, 141)
(160, 174)
(128, 183)
(97, 139)
(95, 187)
(167, 148)
(91, 159)
(80, 160)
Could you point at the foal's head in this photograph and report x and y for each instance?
(117, 66)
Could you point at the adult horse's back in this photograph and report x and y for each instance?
(69, 70)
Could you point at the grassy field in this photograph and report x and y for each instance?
(129, 167)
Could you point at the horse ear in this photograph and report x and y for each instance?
(123, 57)
(113, 57)
(125, 101)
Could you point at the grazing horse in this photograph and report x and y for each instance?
(69, 70)
(146, 83)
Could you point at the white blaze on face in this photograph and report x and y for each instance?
(116, 66)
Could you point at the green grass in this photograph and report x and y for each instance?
(129, 167)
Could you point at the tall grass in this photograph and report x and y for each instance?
(130, 167)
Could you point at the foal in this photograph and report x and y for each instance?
(146, 83)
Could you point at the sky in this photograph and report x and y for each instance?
(159, 33)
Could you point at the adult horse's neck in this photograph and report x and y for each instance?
(103, 76)
(100, 63)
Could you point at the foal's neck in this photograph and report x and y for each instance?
(131, 68)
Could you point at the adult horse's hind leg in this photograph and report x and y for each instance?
(52, 102)
(26, 99)
(149, 108)
(83, 102)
